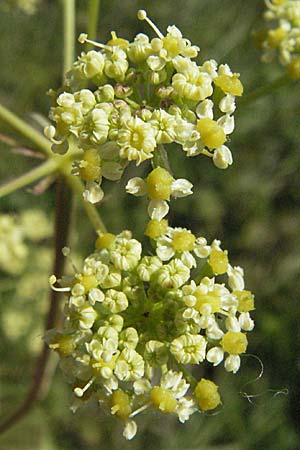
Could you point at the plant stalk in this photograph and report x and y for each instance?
(21, 127)
(93, 12)
(62, 222)
(69, 34)
(30, 177)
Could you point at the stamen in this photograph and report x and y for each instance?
(142, 15)
(67, 254)
(83, 38)
(52, 281)
(139, 410)
(79, 392)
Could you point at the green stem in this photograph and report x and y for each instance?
(69, 34)
(33, 175)
(264, 90)
(93, 12)
(91, 211)
(160, 158)
(25, 130)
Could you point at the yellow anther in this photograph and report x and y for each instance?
(212, 135)
(142, 15)
(234, 342)
(230, 84)
(159, 184)
(83, 38)
(207, 395)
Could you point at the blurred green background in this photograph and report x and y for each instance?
(253, 207)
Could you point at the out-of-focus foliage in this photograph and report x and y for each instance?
(253, 206)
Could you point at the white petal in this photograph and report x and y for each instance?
(236, 278)
(222, 157)
(227, 123)
(246, 322)
(130, 430)
(232, 363)
(232, 324)
(205, 109)
(181, 188)
(93, 192)
(164, 252)
(215, 355)
(188, 260)
(227, 104)
(158, 209)
(136, 186)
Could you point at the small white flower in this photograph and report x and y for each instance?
(93, 192)
(215, 355)
(236, 278)
(158, 209)
(222, 157)
(245, 321)
(130, 430)
(232, 363)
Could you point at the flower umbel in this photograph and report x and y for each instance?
(136, 325)
(117, 120)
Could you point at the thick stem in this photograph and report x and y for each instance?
(62, 219)
(25, 130)
(30, 177)
(69, 34)
(93, 12)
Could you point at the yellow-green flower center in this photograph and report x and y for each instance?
(207, 395)
(210, 298)
(105, 240)
(230, 84)
(246, 300)
(159, 184)
(212, 135)
(90, 169)
(120, 404)
(234, 342)
(156, 228)
(163, 399)
(183, 241)
(218, 260)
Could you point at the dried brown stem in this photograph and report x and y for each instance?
(62, 219)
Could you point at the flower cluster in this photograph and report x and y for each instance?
(282, 39)
(125, 101)
(27, 6)
(14, 231)
(136, 326)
